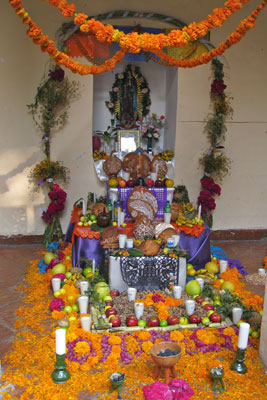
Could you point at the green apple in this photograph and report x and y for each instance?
(255, 334)
(70, 298)
(92, 217)
(87, 270)
(68, 258)
(204, 303)
(250, 331)
(68, 275)
(216, 297)
(57, 293)
(217, 303)
(72, 318)
(163, 322)
(62, 291)
(183, 321)
(80, 223)
(261, 313)
(166, 251)
(142, 323)
(75, 307)
(68, 309)
(107, 298)
(205, 321)
(189, 266)
(82, 219)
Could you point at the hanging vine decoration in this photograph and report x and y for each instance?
(214, 162)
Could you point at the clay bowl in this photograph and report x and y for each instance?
(165, 362)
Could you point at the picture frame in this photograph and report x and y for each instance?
(128, 140)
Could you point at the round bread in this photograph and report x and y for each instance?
(143, 227)
(150, 248)
(99, 208)
(160, 166)
(167, 233)
(110, 238)
(137, 163)
(112, 165)
(142, 202)
(161, 227)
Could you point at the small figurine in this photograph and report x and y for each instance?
(116, 379)
(217, 374)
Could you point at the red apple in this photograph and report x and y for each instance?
(111, 311)
(114, 293)
(130, 183)
(200, 299)
(149, 182)
(159, 183)
(173, 320)
(115, 320)
(109, 303)
(132, 320)
(208, 307)
(215, 317)
(153, 321)
(194, 319)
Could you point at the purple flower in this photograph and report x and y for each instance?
(57, 74)
(218, 87)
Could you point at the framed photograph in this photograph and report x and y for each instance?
(128, 140)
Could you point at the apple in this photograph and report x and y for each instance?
(71, 298)
(216, 297)
(122, 183)
(153, 321)
(107, 298)
(149, 182)
(87, 270)
(75, 307)
(208, 307)
(217, 303)
(163, 322)
(255, 334)
(109, 303)
(111, 311)
(238, 324)
(106, 308)
(204, 303)
(68, 258)
(159, 183)
(68, 309)
(68, 275)
(142, 323)
(57, 293)
(215, 317)
(205, 321)
(62, 291)
(115, 320)
(200, 299)
(132, 320)
(183, 321)
(72, 318)
(114, 293)
(194, 319)
(173, 320)
(130, 183)
(210, 312)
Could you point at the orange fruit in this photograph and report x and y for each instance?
(169, 183)
(113, 182)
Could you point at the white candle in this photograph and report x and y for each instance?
(177, 292)
(84, 287)
(237, 314)
(56, 283)
(84, 206)
(261, 271)
(93, 266)
(199, 212)
(86, 323)
(243, 335)
(223, 266)
(94, 197)
(83, 304)
(201, 282)
(131, 294)
(60, 341)
(139, 310)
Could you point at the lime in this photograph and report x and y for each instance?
(92, 217)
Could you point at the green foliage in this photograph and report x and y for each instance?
(217, 165)
(215, 128)
(229, 301)
(180, 194)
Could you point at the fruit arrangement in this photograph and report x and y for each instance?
(189, 216)
(87, 219)
(167, 155)
(98, 155)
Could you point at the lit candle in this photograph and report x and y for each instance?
(243, 335)
(84, 206)
(60, 342)
(199, 212)
(93, 266)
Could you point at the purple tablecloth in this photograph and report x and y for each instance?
(198, 248)
(85, 247)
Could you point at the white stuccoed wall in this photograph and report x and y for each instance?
(242, 203)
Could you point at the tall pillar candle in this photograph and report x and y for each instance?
(83, 304)
(93, 266)
(243, 335)
(56, 283)
(84, 285)
(199, 212)
(84, 206)
(60, 342)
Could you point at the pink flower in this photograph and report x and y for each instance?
(157, 391)
(56, 304)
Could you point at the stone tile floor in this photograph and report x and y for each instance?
(14, 259)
